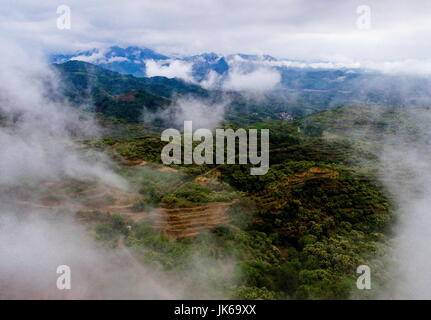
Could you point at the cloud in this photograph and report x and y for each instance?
(211, 81)
(38, 136)
(42, 157)
(203, 114)
(116, 59)
(260, 79)
(408, 66)
(291, 29)
(98, 56)
(95, 57)
(313, 65)
(405, 171)
(171, 69)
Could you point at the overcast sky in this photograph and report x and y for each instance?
(313, 29)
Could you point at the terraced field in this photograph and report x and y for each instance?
(89, 199)
(189, 222)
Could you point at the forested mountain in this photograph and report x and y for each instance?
(121, 96)
(315, 84)
(298, 232)
(84, 77)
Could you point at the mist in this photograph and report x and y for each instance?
(203, 112)
(40, 136)
(406, 173)
(171, 69)
(400, 264)
(38, 145)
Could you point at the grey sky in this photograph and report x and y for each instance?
(313, 29)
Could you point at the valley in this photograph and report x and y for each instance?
(215, 150)
(297, 232)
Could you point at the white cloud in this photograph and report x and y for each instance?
(408, 66)
(97, 56)
(171, 69)
(203, 114)
(296, 29)
(116, 59)
(313, 65)
(260, 79)
(211, 81)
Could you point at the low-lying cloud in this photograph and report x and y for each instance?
(172, 69)
(41, 155)
(405, 171)
(37, 136)
(258, 80)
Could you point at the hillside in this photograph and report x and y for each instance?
(297, 232)
(83, 76)
(121, 96)
(311, 86)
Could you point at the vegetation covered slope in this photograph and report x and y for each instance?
(121, 96)
(300, 231)
(83, 76)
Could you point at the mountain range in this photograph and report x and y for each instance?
(298, 232)
(134, 61)
(314, 83)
